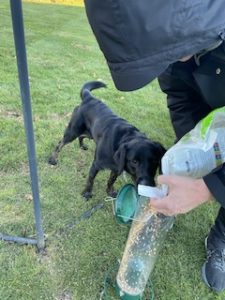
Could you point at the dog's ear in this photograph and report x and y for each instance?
(161, 151)
(120, 157)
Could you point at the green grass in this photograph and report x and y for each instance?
(62, 55)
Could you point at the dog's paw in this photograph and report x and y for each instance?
(112, 194)
(52, 161)
(87, 195)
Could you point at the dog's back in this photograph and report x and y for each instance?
(99, 118)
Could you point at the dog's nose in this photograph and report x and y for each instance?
(146, 181)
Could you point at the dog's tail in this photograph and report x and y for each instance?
(88, 87)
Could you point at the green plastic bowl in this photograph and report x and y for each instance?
(126, 203)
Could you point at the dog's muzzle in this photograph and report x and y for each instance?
(146, 181)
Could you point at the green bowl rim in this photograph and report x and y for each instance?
(118, 203)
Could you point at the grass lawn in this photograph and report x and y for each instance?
(62, 55)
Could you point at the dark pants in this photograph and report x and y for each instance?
(188, 103)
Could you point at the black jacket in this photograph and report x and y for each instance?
(140, 38)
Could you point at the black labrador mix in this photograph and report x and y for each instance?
(119, 145)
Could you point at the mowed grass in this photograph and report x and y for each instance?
(62, 55)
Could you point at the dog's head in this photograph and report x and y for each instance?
(140, 158)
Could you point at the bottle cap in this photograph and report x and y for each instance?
(150, 191)
(126, 203)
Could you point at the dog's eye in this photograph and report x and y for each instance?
(134, 161)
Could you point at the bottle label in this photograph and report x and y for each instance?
(200, 150)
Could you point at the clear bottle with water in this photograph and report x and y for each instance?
(146, 237)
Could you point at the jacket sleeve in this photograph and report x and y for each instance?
(215, 182)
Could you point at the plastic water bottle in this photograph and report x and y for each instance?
(146, 237)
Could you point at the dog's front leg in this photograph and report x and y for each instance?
(87, 192)
(110, 189)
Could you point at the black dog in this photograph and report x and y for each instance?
(119, 145)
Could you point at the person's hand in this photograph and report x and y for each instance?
(184, 194)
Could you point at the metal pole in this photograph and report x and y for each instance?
(18, 239)
(19, 39)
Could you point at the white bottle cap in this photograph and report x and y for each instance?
(151, 192)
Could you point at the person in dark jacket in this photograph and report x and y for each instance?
(182, 43)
